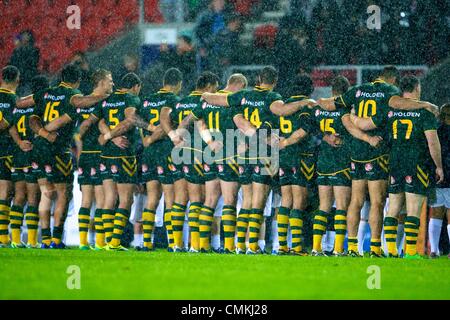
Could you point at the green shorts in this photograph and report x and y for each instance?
(23, 174)
(338, 179)
(286, 175)
(5, 168)
(226, 170)
(414, 180)
(376, 169)
(306, 173)
(157, 169)
(121, 169)
(245, 174)
(89, 169)
(263, 173)
(56, 168)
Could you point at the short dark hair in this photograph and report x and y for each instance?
(99, 75)
(38, 83)
(340, 85)
(207, 78)
(186, 38)
(390, 72)
(10, 74)
(409, 83)
(172, 77)
(303, 85)
(130, 80)
(269, 75)
(71, 73)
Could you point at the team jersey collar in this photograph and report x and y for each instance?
(65, 85)
(162, 90)
(224, 91)
(4, 90)
(195, 93)
(378, 80)
(121, 91)
(259, 88)
(299, 96)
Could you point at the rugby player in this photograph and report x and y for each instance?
(415, 147)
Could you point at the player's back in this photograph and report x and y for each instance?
(407, 135)
(113, 112)
(369, 100)
(7, 105)
(184, 107)
(52, 104)
(90, 138)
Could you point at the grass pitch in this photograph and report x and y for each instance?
(42, 274)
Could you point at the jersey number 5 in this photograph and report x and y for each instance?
(113, 120)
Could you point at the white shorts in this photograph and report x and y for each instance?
(139, 200)
(219, 207)
(442, 198)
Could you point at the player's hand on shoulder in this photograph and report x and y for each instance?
(122, 142)
(51, 137)
(439, 175)
(25, 145)
(434, 109)
(215, 145)
(333, 140)
(375, 141)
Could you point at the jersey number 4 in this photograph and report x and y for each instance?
(253, 118)
(21, 128)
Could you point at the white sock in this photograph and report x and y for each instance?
(448, 231)
(186, 234)
(329, 244)
(215, 241)
(400, 237)
(262, 244)
(138, 239)
(289, 237)
(434, 231)
(361, 235)
(383, 241)
(275, 242)
(91, 236)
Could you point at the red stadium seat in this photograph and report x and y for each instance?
(264, 36)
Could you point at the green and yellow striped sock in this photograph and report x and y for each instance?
(168, 224)
(108, 223)
(205, 220)
(254, 225)
(283, 224)
(57, 234)
(148, 224)
(229, 226)
(32, 221)
(16, 220)
(178, 214)
(99, 229)
(390, 234)
(375, 246)
(242, 227)
(84, 216)
(46, 235)
(340, 226)
(319, 229)
(296, 223)
(194, 224)
(353, 244)
(412, 232)
(120, 221)
(4, 221)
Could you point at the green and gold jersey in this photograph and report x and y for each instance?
(255, 105)
(307, 145)
(220, 119)
(183, 109)
(52, 104)
(331, 159)
(7, 105)
(20, 119)
(112, 110)
(368, 99)
(409, 145)
(151, 111)
(90, 138)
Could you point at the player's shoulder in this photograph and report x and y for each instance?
(295, 98)
(274, 95)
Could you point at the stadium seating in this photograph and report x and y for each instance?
(55, 41)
